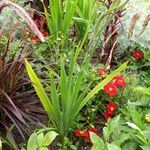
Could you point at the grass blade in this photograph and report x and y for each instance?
(38, 88)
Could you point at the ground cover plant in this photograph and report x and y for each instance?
(67, 78)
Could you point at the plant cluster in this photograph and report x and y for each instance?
(65, 55)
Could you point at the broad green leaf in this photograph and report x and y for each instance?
(49, 137)
(40, 139)
(123, 137)
(32, 142)
(96, 147)
(136, 116)
(98, 143)
(146, 133)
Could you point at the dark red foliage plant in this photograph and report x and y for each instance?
(113, 30)
(12, 81)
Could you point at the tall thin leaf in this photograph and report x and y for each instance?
(38, 88)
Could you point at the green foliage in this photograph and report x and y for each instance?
(98, 143)
(143, 90)
(41, 139)
(59, 17)
(86, 13)
(117, 136)
(111, 126)
(67, 144)
(66, 99)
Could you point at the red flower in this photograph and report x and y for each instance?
(102, 73)
(111, 106)
(137, 54)
(119, 81)
(86, 134)
(110, 109)
(111, 89)
(107, 115)
(93, 130)
(81, 133)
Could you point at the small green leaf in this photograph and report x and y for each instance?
(73, 147)
(49, 137)
(106, 133)
(113, 123)
(132, 125)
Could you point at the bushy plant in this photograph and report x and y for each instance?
(41, 139)
(66, 99)
(120, 135)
